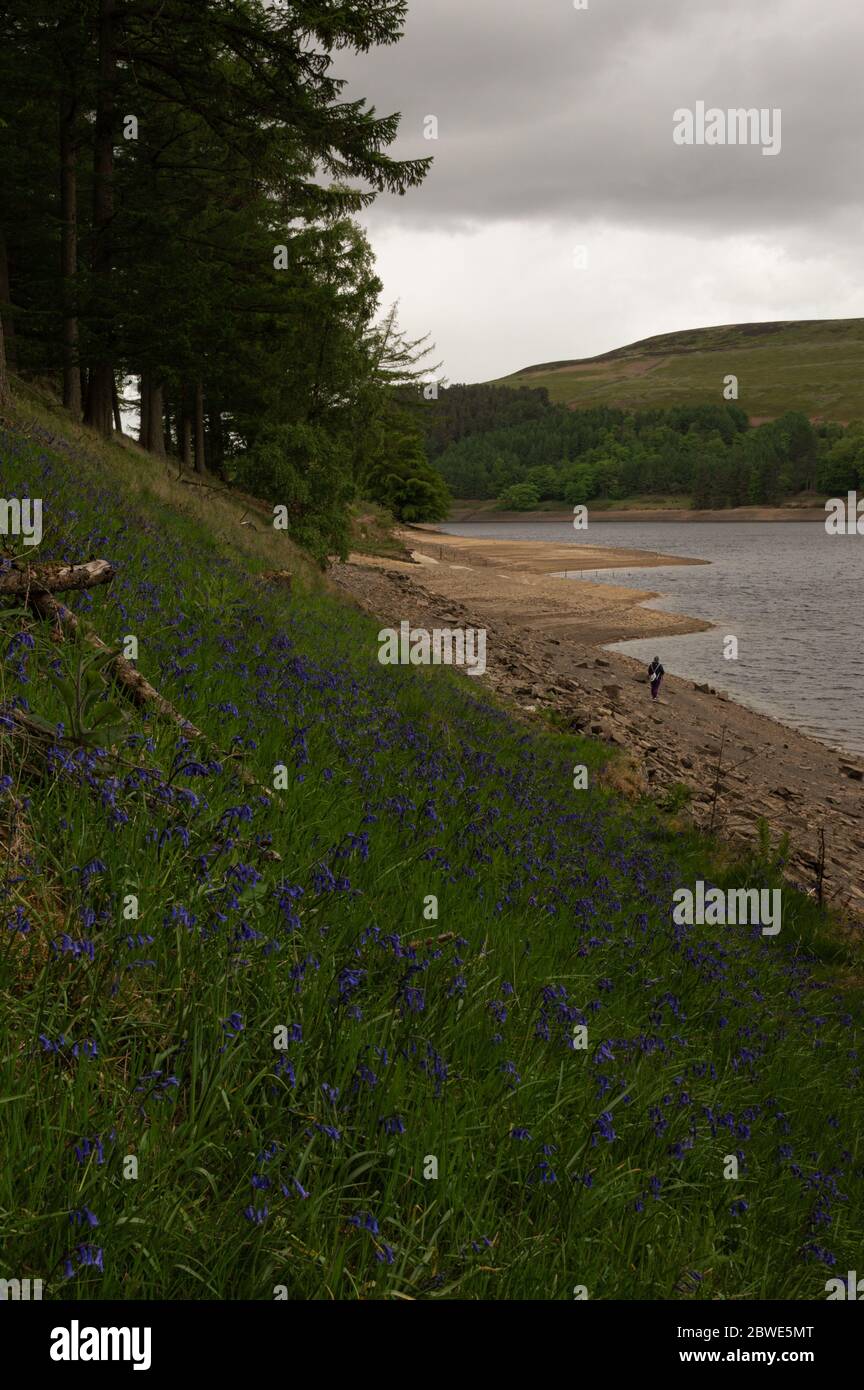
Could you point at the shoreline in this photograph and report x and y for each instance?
(547, 654)
(521, 582)
(477, 514)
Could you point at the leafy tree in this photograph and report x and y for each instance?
(403, 481)
(521, 497)
(206, 245)
(842, 468)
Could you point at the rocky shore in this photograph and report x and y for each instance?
(738, 766)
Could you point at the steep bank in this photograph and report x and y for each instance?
(380, 961)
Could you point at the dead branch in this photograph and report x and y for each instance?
(131, 682)
(282, 577)
(433, 940)
(48, 579)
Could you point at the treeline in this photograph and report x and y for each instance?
(463, 410)
(179, 183)
(707, 452)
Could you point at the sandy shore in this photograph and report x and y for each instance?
(544, 636)
(521, 583)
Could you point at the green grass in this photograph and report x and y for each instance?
(815, 366)
(309, 909)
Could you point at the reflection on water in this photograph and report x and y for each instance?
(790, 593)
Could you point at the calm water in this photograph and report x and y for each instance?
(790, 593)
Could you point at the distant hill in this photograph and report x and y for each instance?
(812, 365)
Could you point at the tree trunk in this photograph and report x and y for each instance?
(217, 442)
(144, 412)
(200, 461)
(4, 380)
(118, 418)
(156, 425)
(69, 249)
(185, 442)
(101, 383)
(5, 296)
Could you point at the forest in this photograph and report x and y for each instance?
(491, 442)
(179, 244)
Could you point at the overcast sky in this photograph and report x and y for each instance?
(555, 131)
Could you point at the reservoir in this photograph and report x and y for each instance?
(792, 595)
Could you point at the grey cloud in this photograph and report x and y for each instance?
(547, 113)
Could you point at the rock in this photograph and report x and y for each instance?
(612, 691)
(601, 661)
(687, 762)
(850, 770)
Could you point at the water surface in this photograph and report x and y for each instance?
(791, 594)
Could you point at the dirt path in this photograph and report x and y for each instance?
(542, 651)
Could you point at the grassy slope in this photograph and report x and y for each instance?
(305, 1167)
(816, 366)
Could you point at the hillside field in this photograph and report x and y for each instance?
(814, 366)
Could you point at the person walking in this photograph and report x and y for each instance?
(655, 675)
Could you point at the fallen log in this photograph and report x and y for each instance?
(52, 579)
(281, 577)
(131, 682)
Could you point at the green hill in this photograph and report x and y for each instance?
(814, 365)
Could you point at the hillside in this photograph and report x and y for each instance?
(410, 1019)
(814, 366)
